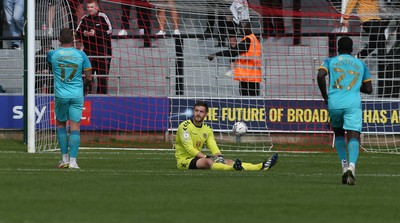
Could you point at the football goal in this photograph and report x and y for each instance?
(160, 66)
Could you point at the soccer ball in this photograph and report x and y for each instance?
(239, 128)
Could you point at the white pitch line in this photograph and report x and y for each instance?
(181, 173)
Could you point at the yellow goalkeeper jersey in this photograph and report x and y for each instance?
(190, 140)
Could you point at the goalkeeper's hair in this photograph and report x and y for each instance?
(201, 103)
(66, 36)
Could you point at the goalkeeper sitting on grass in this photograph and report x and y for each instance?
(190, 138)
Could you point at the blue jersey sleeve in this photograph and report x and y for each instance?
(86, 62)
(367, 74)
(49, 56)
(325, 65)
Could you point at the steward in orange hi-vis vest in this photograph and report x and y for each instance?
(248, 66)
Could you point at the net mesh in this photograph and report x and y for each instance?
(158, 70)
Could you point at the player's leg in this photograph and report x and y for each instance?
(353, 125)
(266, 165)
(239, 165)
(270, 162)
(201, 163)
(340, 144)
(61, 111)
(353, 147)
(209, 164)
(336, 119)
(250, 166)
(75, 114)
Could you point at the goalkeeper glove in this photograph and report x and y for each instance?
(217, 159)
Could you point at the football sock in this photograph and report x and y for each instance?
(65, 158)
(340, 146)
(72, 161)
(221, 166)
(354, 145)
(74, 142)
(62, 138)
(250, 166)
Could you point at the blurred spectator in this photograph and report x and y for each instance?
(342, 5)
(374, 27)
(94, 31)
(44, 81)
(51, 13)
(248, 66)
(240, 13)
(216, 7)
(273, 17)
(1, 22)
(2, 90)
(76, 10)
(14, 11)
(143, 14)
(226, 25)
(162, 18)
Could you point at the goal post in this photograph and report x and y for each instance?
(154, 80)
(30, 97)
(42, 35)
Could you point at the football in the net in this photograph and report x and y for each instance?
(239, 128)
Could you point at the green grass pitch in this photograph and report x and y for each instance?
(145, 186)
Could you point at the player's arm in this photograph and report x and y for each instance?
(48, 59)
(87, 72)
(366, 87)
(88, 81)
(212, 144)
(322, 73)
(213, 147)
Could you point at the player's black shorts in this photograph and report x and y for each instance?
(192, 164)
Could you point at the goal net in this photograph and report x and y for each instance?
(159, 67)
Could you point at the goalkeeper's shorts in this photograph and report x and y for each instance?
(186, 164)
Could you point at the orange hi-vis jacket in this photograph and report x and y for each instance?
(248, 66)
